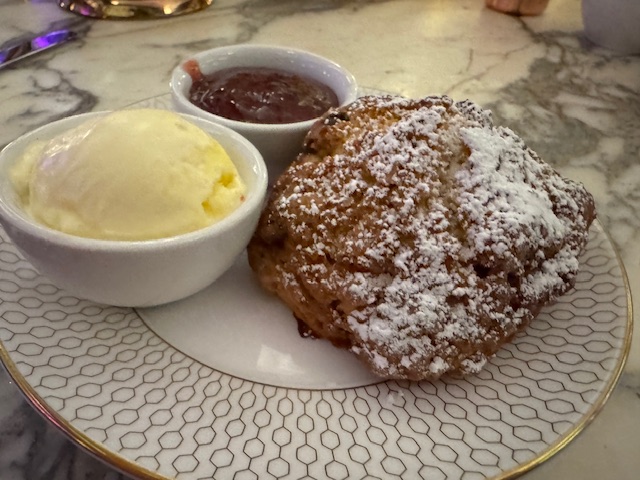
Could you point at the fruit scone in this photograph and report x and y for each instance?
(419, 235)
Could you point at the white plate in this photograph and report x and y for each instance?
(221, 386)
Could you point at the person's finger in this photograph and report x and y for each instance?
(518, 7)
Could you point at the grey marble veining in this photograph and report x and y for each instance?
(31, 449)
(576, 104)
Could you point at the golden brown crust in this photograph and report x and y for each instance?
(418, 235)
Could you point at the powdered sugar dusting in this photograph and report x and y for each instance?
(439, 235)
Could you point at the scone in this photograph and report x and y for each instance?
(419, 235)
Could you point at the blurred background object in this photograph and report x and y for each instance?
(518, 7)
(133, 9)
(613, 24)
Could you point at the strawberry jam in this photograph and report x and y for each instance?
(260, 95)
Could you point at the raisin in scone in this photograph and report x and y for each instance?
(419, 235)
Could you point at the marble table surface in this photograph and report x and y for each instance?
(578, 105)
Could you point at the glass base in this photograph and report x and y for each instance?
(133, 9)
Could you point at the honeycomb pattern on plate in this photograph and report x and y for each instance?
(111, 379)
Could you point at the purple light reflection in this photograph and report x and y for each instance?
(11, 53)
(53, 38)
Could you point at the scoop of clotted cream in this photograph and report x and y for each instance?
(129, 175)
